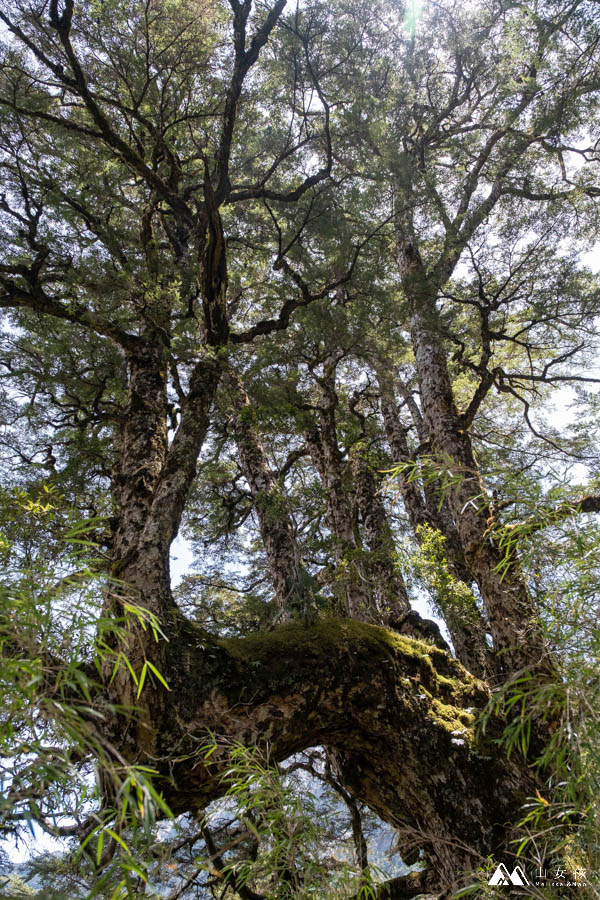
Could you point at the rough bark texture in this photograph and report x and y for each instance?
(390, 597)
(154, 482)
(395, 713)
(371, 586)
(143, 444)
(292, 583)
(323, 446)
(517, 641)
(430, 510)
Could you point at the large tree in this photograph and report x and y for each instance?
(252, 259)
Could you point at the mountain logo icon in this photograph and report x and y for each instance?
(502, 876)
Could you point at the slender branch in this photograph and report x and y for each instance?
(217, 867)
(546, 517)
(268, 326)
(38, 301)
(62, 25)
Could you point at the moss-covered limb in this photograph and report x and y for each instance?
(397, 715)
(404, 887)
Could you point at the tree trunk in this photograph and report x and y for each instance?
(384, 576)
(467, 630)
(322, 442)
(143, 445)
(517, 638)
(293, 585)
(154, 482)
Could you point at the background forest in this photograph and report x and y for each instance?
(308, 293)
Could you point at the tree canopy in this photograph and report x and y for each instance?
(300, 285)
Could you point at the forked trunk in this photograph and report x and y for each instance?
(153, 480)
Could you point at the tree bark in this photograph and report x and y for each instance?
(517, 639)
(430, 510)
(322, 443)
(396, 715)
(292, 583)
(390, 596)
(367, 576)
(153, 481)
(143, 445)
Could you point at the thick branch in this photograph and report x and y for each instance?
(179, 470)
(396, 713)
(545, 517)
(244, 60)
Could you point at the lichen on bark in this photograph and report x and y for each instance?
(397, 716)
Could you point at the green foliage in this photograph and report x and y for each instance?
(59, 763)
(300, 854)
(561, 824)
(452, 599)
(285, 824)
(442, 471)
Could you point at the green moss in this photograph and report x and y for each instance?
(284, 653)
(336, 636)
(455, 720)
